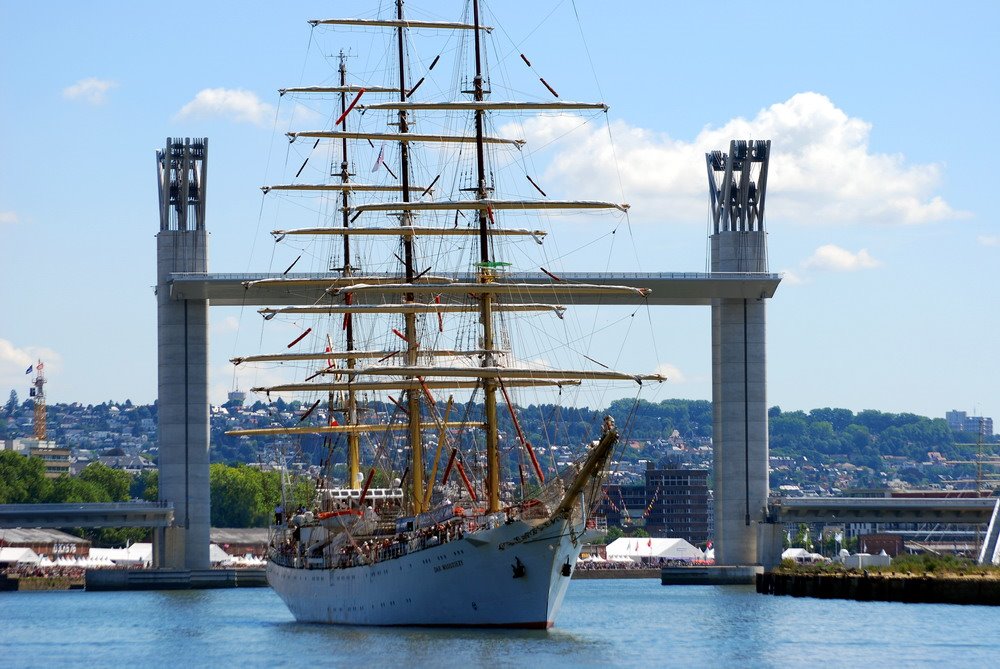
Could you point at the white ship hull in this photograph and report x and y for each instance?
(467, 582)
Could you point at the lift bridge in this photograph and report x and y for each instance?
(736, 289)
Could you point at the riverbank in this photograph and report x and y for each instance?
(14, 582)
(60, 578)
(616, 573)
(944, 588)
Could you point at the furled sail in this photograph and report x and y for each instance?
(337, 89)
(411, 230)
(407, 308)
(486, 205)
(400, 137)
(486, 105)
(348, 186)
(407, 385)
(505, 373)
(498, 288)
(395, 23)
(360, 428)
(357, 355)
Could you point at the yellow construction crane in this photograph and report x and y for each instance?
(38, 393)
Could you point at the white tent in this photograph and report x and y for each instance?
(801, 555)
(135, 555)
(248, 560)
(12, 555)
(637, 549)
(218, 556)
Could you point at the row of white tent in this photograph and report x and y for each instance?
(645, 549)
(857, 561)
(134, 555)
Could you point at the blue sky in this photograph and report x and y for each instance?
(882, 115)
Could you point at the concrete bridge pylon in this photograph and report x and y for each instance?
(182, 334)
(737, 186)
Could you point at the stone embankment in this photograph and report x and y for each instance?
(885, 587)
(616, 573)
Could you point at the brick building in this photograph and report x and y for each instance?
(670, 503)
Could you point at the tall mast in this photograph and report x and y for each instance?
(486, 276)
(353, 438)
(410, 330)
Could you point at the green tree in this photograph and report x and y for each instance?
(68, 489)
(613, 534)
(146, 486)
(839, 419)
(237, 496)
(114, 482)
(12, 403)
(22, 480)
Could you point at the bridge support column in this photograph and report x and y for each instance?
(182, 333)
(158, 547)
(739, 378)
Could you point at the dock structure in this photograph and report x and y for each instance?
(736, 289)
(182, 355)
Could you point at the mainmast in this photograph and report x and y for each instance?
(353, 438)
(486, 276)
(410, 319)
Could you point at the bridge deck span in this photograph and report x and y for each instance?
(883, 510)
(668, 288)
(118, 514)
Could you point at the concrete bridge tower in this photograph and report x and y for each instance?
(182, 333)
(737, 185)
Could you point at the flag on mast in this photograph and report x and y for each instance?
(30, 369)
(380, 160)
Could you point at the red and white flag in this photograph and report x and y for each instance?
(380, 160)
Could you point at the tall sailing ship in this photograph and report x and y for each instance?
(442, 517)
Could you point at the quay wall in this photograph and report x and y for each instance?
(866, 587)
(616, 573)
(10, 583)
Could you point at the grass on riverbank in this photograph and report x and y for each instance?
(902, 565)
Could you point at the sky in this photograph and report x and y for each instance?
(878, 207)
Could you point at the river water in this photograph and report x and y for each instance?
(629, 623)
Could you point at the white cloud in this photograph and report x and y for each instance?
(790, 277)
(232, 104)
(91, 90)
(302, 116)
(12, 358)
(672, 372)
(822, 169)
(8, 217)
(226, 325)
(836, 259)
(14, 361)
(984, 240)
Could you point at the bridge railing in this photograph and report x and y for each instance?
(88, 506)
